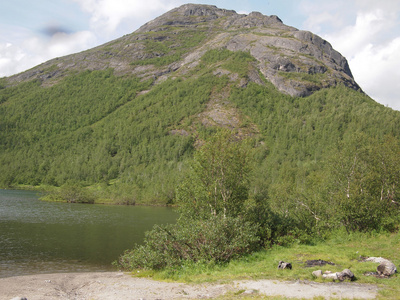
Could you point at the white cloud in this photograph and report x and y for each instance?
(10, 55)
(377, 68)
(107, 16)
(368, 29)
(368, 36)
(15, 58)
(387, 5)
(373, 51)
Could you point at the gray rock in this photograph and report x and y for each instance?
(317, 273)
(386, 268)
(378, 260)
(346, 274)
(330, 275)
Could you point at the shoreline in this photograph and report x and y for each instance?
(100, 201)
(119, 285)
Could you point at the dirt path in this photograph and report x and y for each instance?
(114, 285)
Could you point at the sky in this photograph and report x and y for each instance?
(366, 32)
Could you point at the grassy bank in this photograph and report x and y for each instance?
(342, 249)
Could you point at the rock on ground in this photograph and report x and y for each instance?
(385, 268)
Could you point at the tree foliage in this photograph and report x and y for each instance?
(365, 183)
(218, 183)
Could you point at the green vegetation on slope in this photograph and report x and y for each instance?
(130, 140)
(92, 128)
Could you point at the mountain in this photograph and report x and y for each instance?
(297, 62)
(125, 117)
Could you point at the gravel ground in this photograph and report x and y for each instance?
(116, 285)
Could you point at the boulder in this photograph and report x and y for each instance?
(330, 275)
(386, 268)
(317, 273)
(284, 265)
(345, 274)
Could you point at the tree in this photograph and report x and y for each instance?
(219, 179)
(365, 186)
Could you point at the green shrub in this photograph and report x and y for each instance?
(217, 239)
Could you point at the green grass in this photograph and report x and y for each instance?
(342, 249)
(301, 76)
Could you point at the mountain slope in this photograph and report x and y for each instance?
(125, 117)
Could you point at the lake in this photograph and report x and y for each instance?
(49, 237)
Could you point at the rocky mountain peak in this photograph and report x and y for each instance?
(191, 14)
(203, 10)
(187, 14)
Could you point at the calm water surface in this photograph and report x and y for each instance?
(45, 237)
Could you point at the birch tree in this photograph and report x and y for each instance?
(219, 179)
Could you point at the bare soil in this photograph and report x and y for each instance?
(117, 285)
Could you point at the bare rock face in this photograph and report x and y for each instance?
(297, 62)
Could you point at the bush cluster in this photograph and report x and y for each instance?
(217, 239)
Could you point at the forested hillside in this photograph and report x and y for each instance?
(124, 119)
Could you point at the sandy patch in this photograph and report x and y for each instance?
(116, 285)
